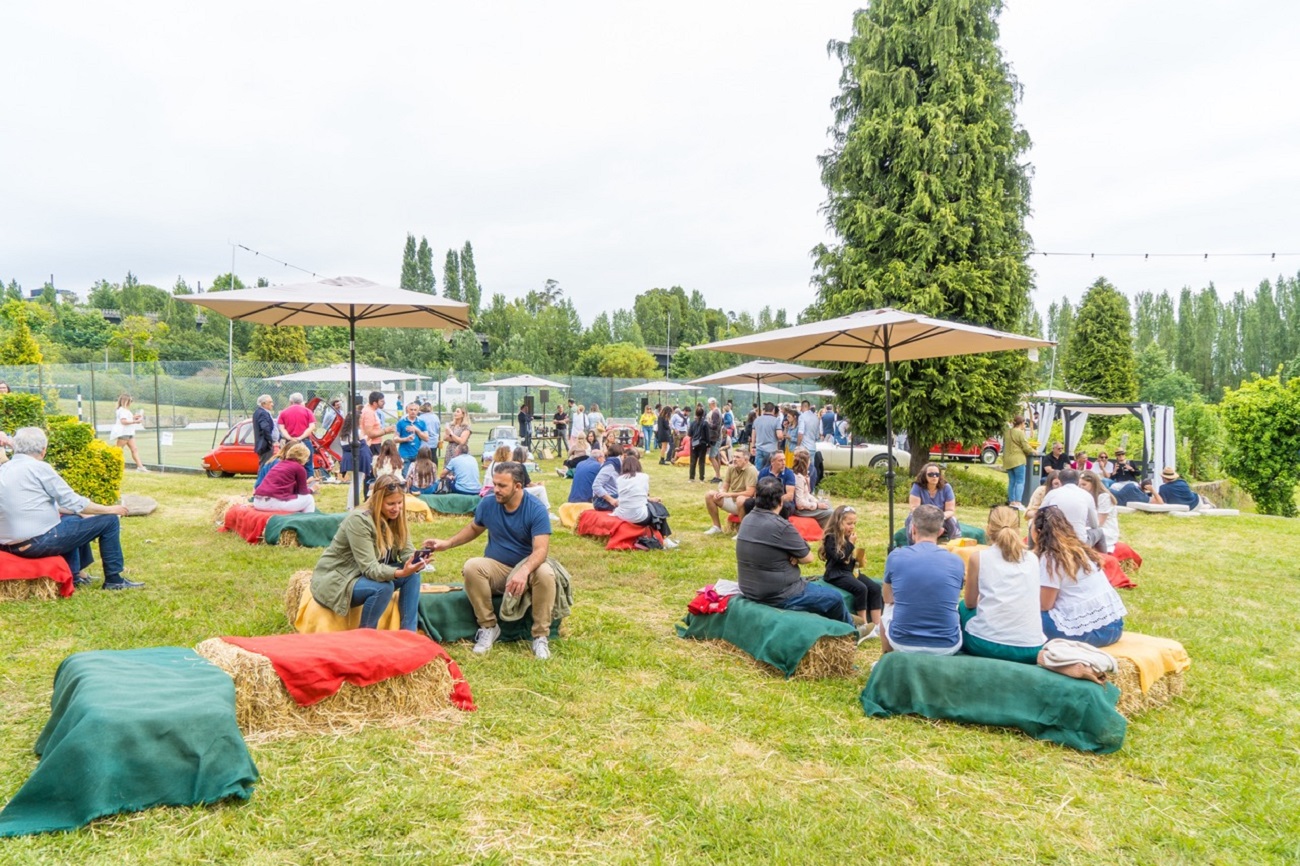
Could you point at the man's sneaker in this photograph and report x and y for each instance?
(715, 480)
(669, 544)
(865, 635)
(485, 638)
(121, 583)
(541, 648)
(713, 530)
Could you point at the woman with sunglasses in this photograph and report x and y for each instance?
(1076, 599)
(930, 488)
(370, 558)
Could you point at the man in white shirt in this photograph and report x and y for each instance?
(1075, 503)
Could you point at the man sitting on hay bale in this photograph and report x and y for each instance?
(769, 551)
(40, 515)
(922, 585)
(515, 561)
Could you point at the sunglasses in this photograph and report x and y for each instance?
(932, 475)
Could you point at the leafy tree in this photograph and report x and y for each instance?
(410, 278)
(13, 291)
(1099, 361)
(928, 195)
(138, 339)
(451, 276)
(1199, 432)
(105, 296)
(1158, 382)
(1262, 422)
(425, 281)
(469, 287)
(1060, 323)
(618, 360)
(285, 344)
(466, 352)
(19, 348)
(83, 329)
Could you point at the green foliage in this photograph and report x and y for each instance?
(138, 339)
(1099, 358)
(424, 279)
(1199, 432)
(469, 287)
(451, 276)
(617, 359)
(928, 193)
(1262, 421)
(972, 488)
(410, 278)
(284, 344)
(21, 410)
(67, 437)
(95, 471)
(19, 347)
(1158, 382)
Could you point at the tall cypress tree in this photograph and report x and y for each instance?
(410, 266)
(1099, 360)
(928, 196)
(424, 279)
(451, 277)
(469, 289)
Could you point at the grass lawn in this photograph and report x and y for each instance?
(633, 746)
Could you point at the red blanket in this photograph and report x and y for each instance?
(625, 535)
(248, 521)
(1115, 574)
(314, 666)
(14, 567)
(1123, 552)
(809, 530)
(598, 523)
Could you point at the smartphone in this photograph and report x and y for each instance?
(421, 554)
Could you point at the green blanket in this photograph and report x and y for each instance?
(448, 616)
(984, 691)
(452, 503)
(967, 531)
(781, 638)
(314, 530)
(128, 730)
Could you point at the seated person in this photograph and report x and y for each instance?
(999, 612)
(633, 501)
(738, 484)
(584, 475)
(604, 489)
(1090, 482)
(285, 487)
(1050, 482)
(1076, 503)
(1081, 461)
(570, 463)
(777, 469)
(1123, 470)
(40, 515)
(422, 474)
(1129, 492)
(370, 557)
(769, 552)
(462, 471)
(838, 551)
(922, 586)
(931, 488)
(1076, 599)
(1057, 459)
(533, 488)
(805, 503)
(1175, 491)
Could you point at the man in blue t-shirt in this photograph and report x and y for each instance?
(462, 469)
(411, 434)
(764, 436)
(776, 468)
(1175, 491)
(922, 585)
(433, 427)
(584, 476)
(514, 561)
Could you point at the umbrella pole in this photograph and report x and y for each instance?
(889, 448)
(352, 398)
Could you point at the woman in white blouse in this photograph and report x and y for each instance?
(1077, 601)
(999, 611)
(1090, 480)
(124, 430)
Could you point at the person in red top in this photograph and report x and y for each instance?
(371, 427)
(285, 486)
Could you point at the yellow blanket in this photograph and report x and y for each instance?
(417, 510)
(1154, 657)
(314, 617)
(569, 512)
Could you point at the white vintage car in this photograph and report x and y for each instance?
(835, 458)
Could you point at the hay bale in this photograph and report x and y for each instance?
(828, 657)
(288, 538)
(265, 710)
(224, 504)
(299, 583)
(1131, 698)
(39, 588)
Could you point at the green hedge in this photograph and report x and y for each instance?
(21, 410)
(95, 472)
(971, 489)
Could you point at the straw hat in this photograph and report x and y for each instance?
(1168, 474)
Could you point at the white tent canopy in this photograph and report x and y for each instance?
(658, 386)
(343, 373)
(526, 380)
(1159, 446)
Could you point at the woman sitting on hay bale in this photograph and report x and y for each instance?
(769, 551)
(370, 557)
(999, 612)
(1077, 601)
(633, 501)
(285, 487)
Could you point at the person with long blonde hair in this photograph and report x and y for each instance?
(1076, 599)
(1090, 481)
(124, 427)
(371, 557)
(999, 609)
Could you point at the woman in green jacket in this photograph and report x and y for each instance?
(1015, 455)
(370, 557)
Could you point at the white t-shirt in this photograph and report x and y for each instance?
(1008, 607)
(1077, 506)
(124, 424)
(1109, 529)
(633, 493)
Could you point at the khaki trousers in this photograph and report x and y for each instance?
(485, 578)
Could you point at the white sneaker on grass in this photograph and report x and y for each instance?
(142, 468)
(713, 530)
(485, 638)
(669, 544)
(542, 648)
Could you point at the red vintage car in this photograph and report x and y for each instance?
(986, 452)
(235, 454)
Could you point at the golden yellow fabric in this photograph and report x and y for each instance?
(569, 512)
(314, 618)
(1154, 657)
(417, 510)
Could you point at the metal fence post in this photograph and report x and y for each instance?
(157, 416)
(94, 415)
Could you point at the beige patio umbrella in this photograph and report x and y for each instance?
(878, 337)
(757, 372)
(658, 386)
(352, 301)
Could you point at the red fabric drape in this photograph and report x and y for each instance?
(248, 521)
(54, 567)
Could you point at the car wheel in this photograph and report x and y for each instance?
(214, 473)
(880, 461)
(989, 456)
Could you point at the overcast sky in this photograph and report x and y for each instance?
(613, 147)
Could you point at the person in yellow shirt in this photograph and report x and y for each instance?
(647, 422)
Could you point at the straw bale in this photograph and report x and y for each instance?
(224, 504)
(288, 538)
(265, 710)
(299, 583)
(39, 588)
(1131, 699)
(828, 657)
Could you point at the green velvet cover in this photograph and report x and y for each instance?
(128, 730)
(983, 691)
(448, 616)
(781, 638)
(314, 530)
(452, 503)
(967, 531)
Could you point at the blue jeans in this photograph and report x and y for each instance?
(71, 540)
(1103, 636)
(647, 438)
(374, 595)
(821, 600)
(1016, 484)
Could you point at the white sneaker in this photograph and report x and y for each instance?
(669, 544)
(713, 530)
(541, 648)
(485, 638)
(864, 635)
(142, 468)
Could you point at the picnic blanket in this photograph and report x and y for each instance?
(1154, 657)
(809, 530)
(314, 530)
(128, 730)
(451, 503)
(248, 521)
(569, 512)
(1115, 573)
(448, 616)
(14, 567)
(984, 691)
(781, 638)
(975, 533)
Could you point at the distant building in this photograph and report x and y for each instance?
(63, 295)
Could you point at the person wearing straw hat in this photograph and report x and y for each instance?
(1175, 491)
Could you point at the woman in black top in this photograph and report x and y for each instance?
(698, 431)
(838, 551)
(664, 432)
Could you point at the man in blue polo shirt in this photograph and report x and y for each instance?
(514, 561)
(462, 469)
(922, 585)
(584, 476)
(776, 468)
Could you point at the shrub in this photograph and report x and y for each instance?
(21, 410)
(1262, 421)
(95, 472)
(974, 489)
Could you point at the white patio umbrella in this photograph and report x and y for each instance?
(526, 380)
(658, 386)
(824, 392)
(352, 301)
(878, 337)
(757, 389)
(344, 373)
(759, 372)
